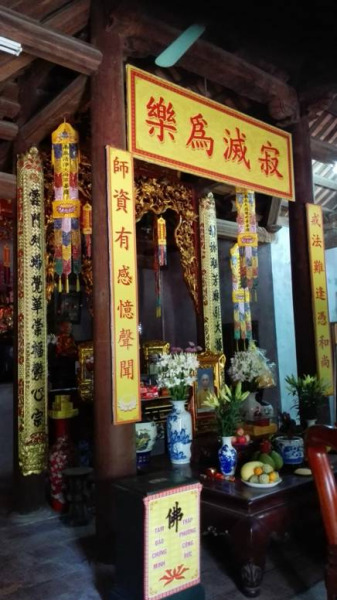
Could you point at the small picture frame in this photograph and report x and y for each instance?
(210, 377)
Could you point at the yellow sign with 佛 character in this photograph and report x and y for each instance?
(319, 294)
(172, 541)
(172, 126)
(123, 286)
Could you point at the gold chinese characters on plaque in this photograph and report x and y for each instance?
(123, 287)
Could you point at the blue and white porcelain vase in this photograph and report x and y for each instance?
(228, 457)
(179, 433)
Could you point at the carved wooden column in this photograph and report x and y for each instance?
(114, 446)
(303, 315)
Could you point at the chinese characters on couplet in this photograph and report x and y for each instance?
(319, 292)
(123, 276)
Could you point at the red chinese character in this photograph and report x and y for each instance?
(123, 238)
(269, 161)
(236, 147)
(121, 166)
(323, 341)
(318, 266)
(124, 276)
(125, 338)
(126, 369)
(198, 139)
(125, 309)
(316, 241)
(163, 118)
(320, 293)
(315, 220)
(122, 197)
(321, 318)
(325, 362)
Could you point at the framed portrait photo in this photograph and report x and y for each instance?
(210, 377)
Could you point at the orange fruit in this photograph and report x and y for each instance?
(272, 476)
(258, 471)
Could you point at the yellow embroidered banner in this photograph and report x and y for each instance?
(123, 282)
(177, 128)
(319, 293)
(172, 541)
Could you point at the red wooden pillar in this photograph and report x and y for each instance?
(114, 446)
(303, 314)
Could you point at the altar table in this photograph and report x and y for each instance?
(250, 516)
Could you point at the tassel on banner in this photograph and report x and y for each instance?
(162, 243)
(7, 264)
(87, 227)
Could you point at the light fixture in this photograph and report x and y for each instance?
(9, 46)
(181, 44)
(334, 168)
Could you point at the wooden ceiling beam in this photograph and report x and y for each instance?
(8, 108)
(7, 186)
(325, 182)
(70, 20)
(64, 105)
(8, 130)
(323, 151)
(146, 36)
(35, 10)
(43, 42)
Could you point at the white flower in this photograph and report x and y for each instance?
(177, 371)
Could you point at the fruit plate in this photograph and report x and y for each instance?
(262, 485)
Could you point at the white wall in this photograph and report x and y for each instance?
(284, 315)
(331, 276)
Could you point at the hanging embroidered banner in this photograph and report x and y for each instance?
(172, 541)
(174, 127)
(241, 299)
(247, 239)
(319, 294)
(210, 274)
(32, 343)
(123, 283)
(66, 206)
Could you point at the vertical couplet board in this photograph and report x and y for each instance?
(123, 287)
(319, 294)
(172, 541)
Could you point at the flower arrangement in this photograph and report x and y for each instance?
(191, 348)
(177, 372)
(226, 405)
(309, 393)
(252, 368)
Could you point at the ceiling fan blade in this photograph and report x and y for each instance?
(177, 49)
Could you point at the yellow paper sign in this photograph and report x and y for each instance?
(177, 128)
(172, 541)
(123, 283)
(319, 294)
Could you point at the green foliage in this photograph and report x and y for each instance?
(309, 393)
(226, 406)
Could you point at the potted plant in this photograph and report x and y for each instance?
(290, 443)
(309, 393)
(226, 405)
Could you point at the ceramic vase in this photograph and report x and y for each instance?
(146, 434)
(228, 457)
(250, 408)
(291, 449)
(179, 433)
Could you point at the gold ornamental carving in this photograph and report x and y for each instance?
(159, 195)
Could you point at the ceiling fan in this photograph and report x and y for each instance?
(177, 49)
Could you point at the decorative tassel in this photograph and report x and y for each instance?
(162, 245)
(78, 287)
(7, 264)
(87, 227)
(60, 284)
(66, 206)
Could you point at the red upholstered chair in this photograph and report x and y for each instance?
(317, 438)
